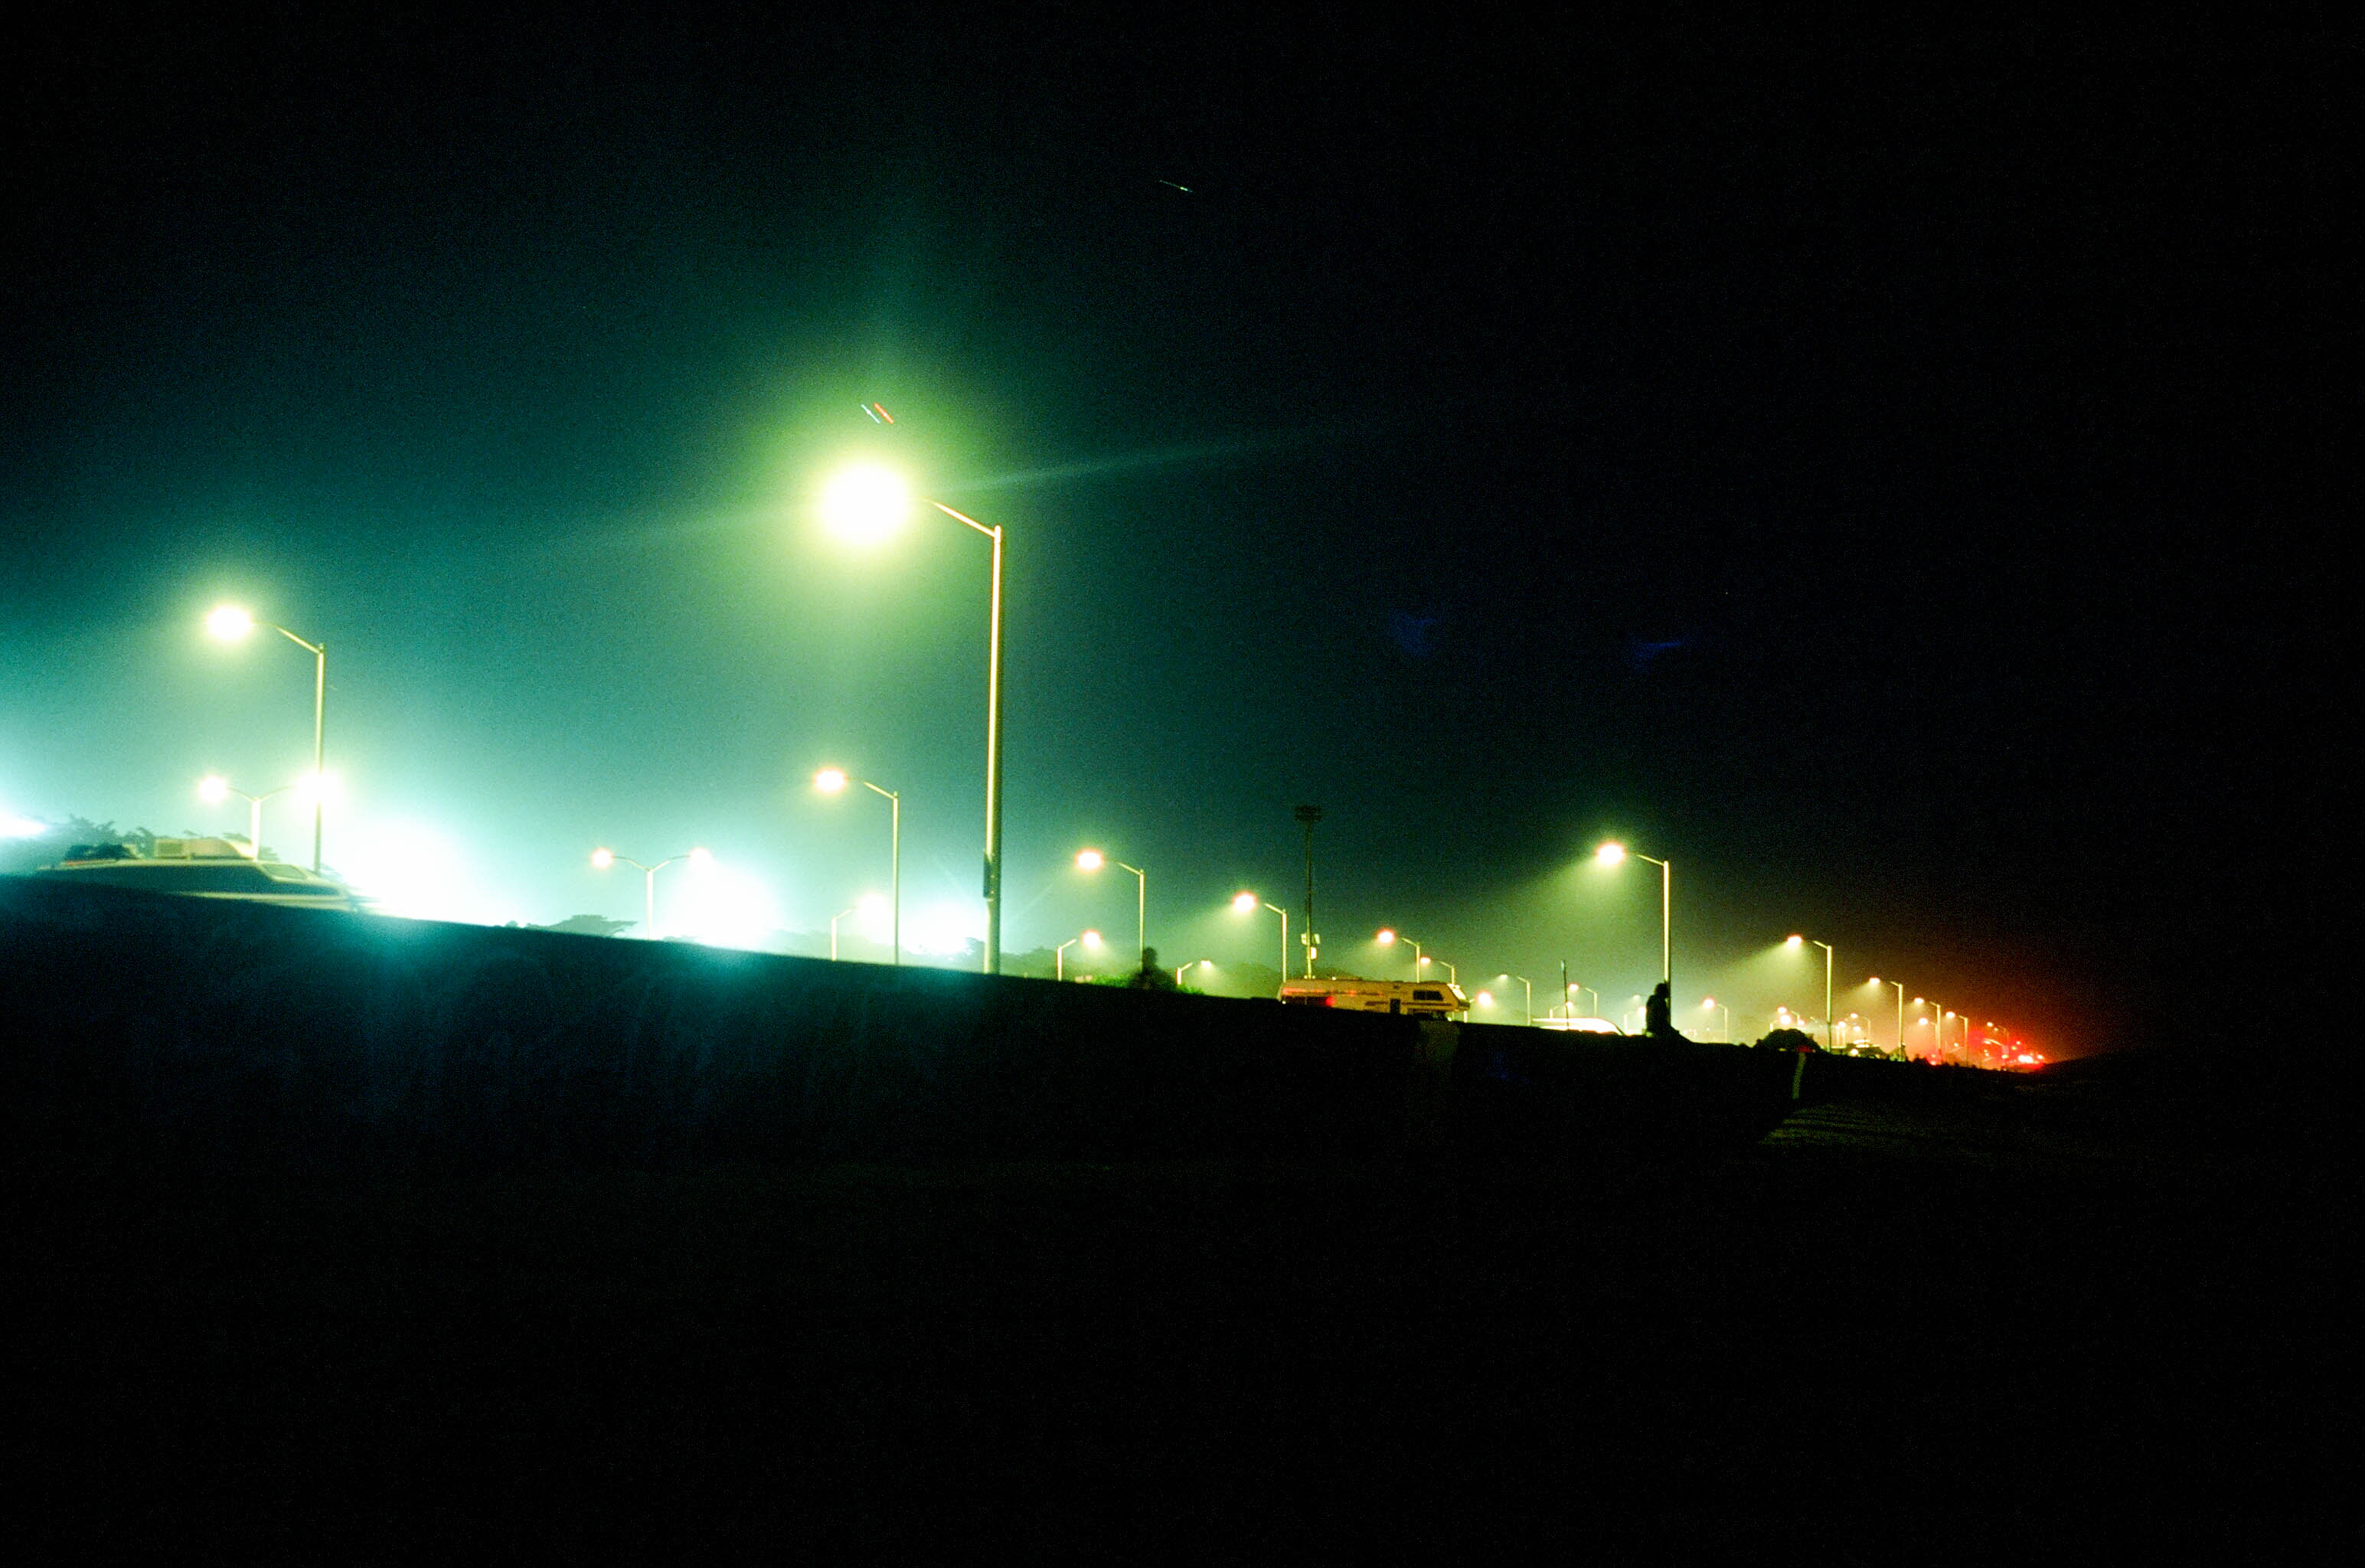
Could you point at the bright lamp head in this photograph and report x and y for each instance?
(603, 859)
(865, 503)
(213, 789)
(1091, 860)
(830, 780)
(1244, 903)
(1611, 854)
(230, 622)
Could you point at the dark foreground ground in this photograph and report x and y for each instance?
(2032, 1318)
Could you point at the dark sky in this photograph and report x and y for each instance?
(1802, 455)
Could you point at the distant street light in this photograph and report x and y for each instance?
(834, 919)
(1725, 1032)
(1529, 1011)
(1611, 854)
(603, 858)
(1204, 963)
(231, 624)
(213, 789)
(1248, 904)
(1387, 938)
(1877, 980)
(1092, 860)
(1795, 941)
(1060, 954)
(865, 503)
(832, 781)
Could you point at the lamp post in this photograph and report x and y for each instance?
(1248, 904)
(831, 781)
(1529, 1011)
(1797, 941)
(1387, 938)
(1060, 954)
(231, 624)
(1724, 1031)
(834, 919)
(1899, 986)
(1203, 964)
(1610, 855)
(1092, 860)
(603, 858)
(213, 789)
(863, 503)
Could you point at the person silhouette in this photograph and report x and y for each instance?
(1152, 975)
(1658, 1013)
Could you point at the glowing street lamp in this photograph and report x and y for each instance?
(1248, 904)
(1724, 1032)
(1899, 986)
(1060, 954)
(213, 789)
(1529, 1010)
(864, 504)
(834, 919)
(230, 623)
(603, 858)
(1092, 860)
(1796, 941)
(1203, 964)
(832, 781)
(1387, 938)
(1612, 854)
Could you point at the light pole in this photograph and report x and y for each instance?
(1203, 964)
(834, 919)
(830, 781)
(1387, 938)
(603, 858)
(1092, 860)
(1306, 817)
(1610, 855)
(1529, 1011)
(1060, 954)
(1724, 1031)
(1248, 904)
(213, 789)
(865, 503)
(1899, 986)
(1797, 941)
(230, 623)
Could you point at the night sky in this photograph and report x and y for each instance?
(1800, 456)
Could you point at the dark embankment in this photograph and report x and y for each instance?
(1974, 1325)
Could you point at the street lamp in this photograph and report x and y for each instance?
(1092, 860)
(231, 624)
(1248, 904)
(1796, 941)
(1204, 963)
(1610, 855)
(1060, 954)
(603, 858)
(865, 503)
(1724, 1032)
(1387, 938)
(1899, 985)
(832, 781)
(213, 789)
(1529, 1011)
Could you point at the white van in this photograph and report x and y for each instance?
(1423, 999)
